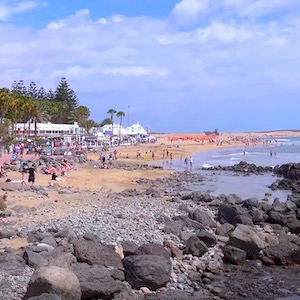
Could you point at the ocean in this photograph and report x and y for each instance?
(284, 150)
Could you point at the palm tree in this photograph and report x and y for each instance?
(112, 112)
(121, 115)
(89, 124)
(81, 114)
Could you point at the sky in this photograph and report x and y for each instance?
(172, 66)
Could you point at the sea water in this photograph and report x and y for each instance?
(284, 150)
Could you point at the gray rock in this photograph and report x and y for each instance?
(152, 249)
(45, 297)
(293, 225)
(129, 247)
(6, 233)
(245, 237)
(54, 280)
(202, 217)
(234, 255)
(195, 246)
(224, 229)
(277, 218)
(173, 227)
(290, 205)
(96, 282)
(95, 253)
(286, 252)
(209, 239)
(11, 264)
(242, 219)
(250, 203)
(227, 213)
(35, 260)
(66, 233)
(63, 260)
(147, 271)
(179, 295)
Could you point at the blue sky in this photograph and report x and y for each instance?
(189, 65)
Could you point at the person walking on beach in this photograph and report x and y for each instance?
(31, 177)
(191, 161)
(186, 162)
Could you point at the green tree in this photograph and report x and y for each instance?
(32, 90)
(106, 121)
(81, 114)
(41, 94)
(89, 124)
(19, 88)
(66, 94)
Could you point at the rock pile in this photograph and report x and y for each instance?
(242, 167)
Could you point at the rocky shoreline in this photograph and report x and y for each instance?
(161, 241)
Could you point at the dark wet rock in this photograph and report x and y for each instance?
(97, 282)
(209, 239)
(227, 213)
(202, 217)
(233, 199)
(54, 280)
(195, 246)
(152, 249)
(234, 255)
(250, 203)
(147, 271)
(129, 247)
(245, 237)
(96, 253)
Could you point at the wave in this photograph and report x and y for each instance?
(283, 140)
(207, 166)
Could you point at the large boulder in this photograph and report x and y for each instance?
(95, 253)
(286, 252)
(293, 225)
(245, 237)
(11, 264)
(97, 282)
(208, 238)
(195, 246)
(202, 217)
(150, 271)
(234, 255)
(227, 213)
(54, 280)
(152, 249)
(35, 260)
(276, 218)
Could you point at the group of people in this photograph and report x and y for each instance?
(107, 159)
(25, 168)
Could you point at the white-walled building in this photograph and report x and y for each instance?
(47, 129)
(133, 130)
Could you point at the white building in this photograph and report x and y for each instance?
(47, 129)
(133, 130)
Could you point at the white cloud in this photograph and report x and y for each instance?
(187, 12)
(9, 8)
(197, 77)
